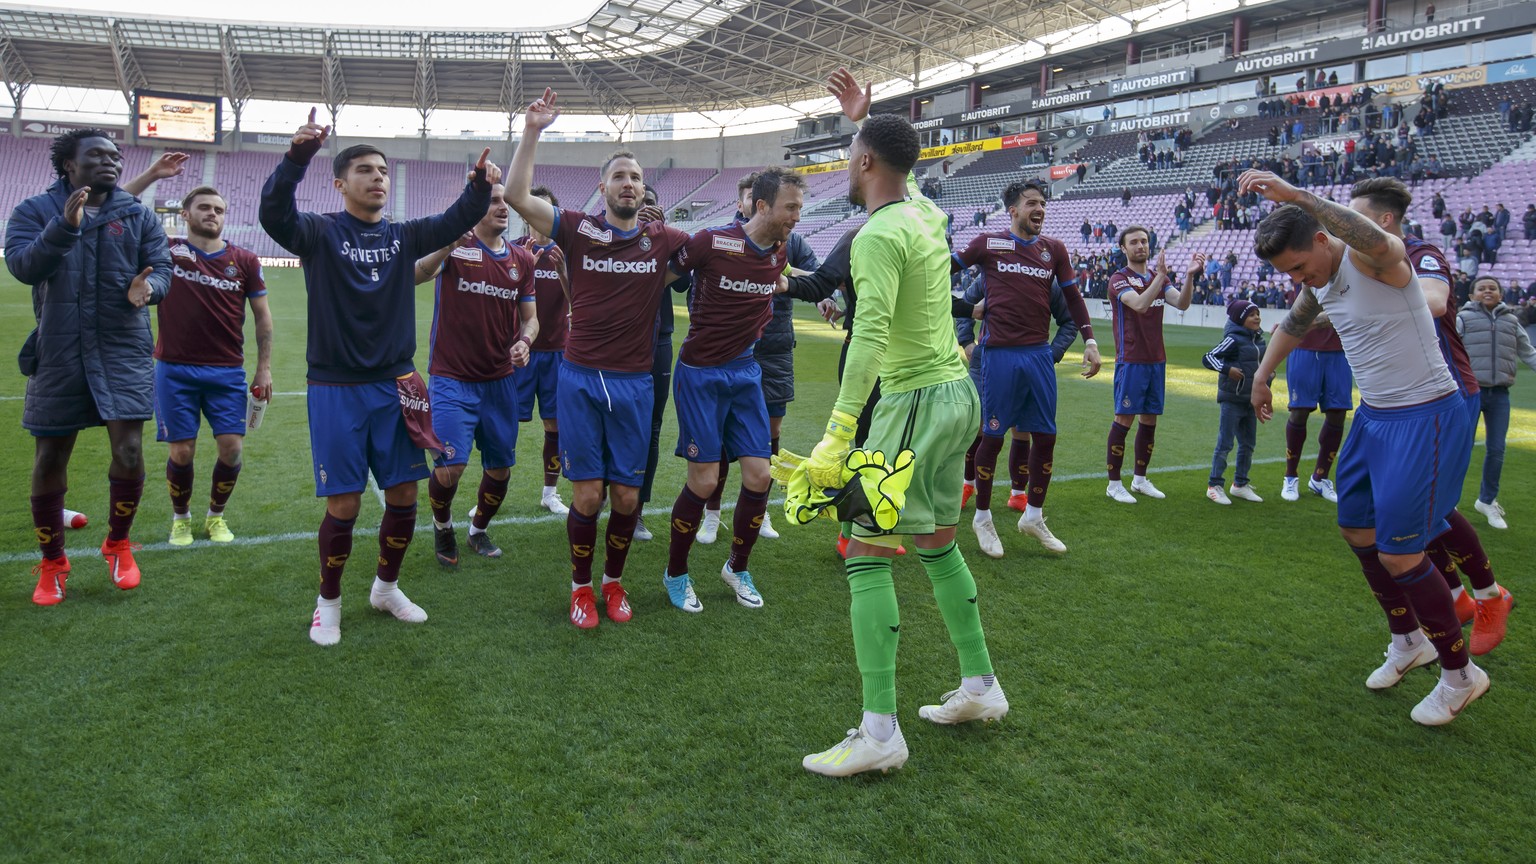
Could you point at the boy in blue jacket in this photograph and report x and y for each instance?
(1236, 359)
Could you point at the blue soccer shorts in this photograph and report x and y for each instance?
(1018, 390)
(720, 411)
(185, 393)
(355, 429)
(1400, 472)
(539, 379)
(605, 424)
(1139, 388)
(482, 413)
(1319, 379)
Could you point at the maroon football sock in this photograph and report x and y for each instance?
(395, 532)
(1400, 617)
(714, 497)
(1115, 456)
(488, 500)
(581, 531)
(687, 512)
(440, 499)
(178, 481)
(621, 533)
(1295, 439)
(1440, 556)
(124, 496)
(773, 446)
(986, 464)
(1018, 462)
(750, 507)
(335, 548)
(970, 461)
(1145, 436)
(1466, 551)
(48, 519)
(1328, 440)
(224, 477)
(1041, 456)
(551, 458)
(1432, 602)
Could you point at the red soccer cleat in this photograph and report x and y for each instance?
(615, 603)
(1017, 502)
(842, 546)
(120, 564)
(1466, 608)
(966, 492)
(51, 574)
(583, 608)
(1492, 615)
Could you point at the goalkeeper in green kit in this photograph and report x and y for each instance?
(905, 337)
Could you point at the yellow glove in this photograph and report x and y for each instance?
(782, 465)
(884, 486)
(825, 466)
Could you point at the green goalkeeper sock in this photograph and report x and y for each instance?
(876, 626)
(955, 591)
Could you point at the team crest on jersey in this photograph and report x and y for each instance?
(468, 253)
(728, 244)
(1136, 281)
(598, 234)
(181, 250)
(1428, 262)
(994, 423)
(773, 260)
(448, 450)
(693, 450)
(1045, 255)
(512, 272)
(645, 244)
(1001, 244)
(231, 271)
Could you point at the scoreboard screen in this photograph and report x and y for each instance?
(178, 117)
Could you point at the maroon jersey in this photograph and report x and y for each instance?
(554, 309)
(202, 318)
(475, 318)
(1138, 335)
(617, 280)
(1321, 339)
(1019, 274)
(1429, 263)
(732, 293)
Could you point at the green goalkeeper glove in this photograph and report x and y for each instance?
(825, 466)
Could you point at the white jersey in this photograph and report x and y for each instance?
(1388, 337)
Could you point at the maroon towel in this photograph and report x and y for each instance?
(416, 408)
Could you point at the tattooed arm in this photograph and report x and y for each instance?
(1303, 312)
(1373, 250)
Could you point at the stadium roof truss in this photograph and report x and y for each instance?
(631, 57)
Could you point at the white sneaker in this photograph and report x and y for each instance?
(986, 534)
(1116, 490)
(741, 583)
(962, 706)
(1494, 512)
(680, 592)
(553, 504)
(1445, 702)
(709, 527)
(1245, 492)
(1323, 488)
(857, 753)
(766, 531)
(1400, 663)
(1290, 490)
(325, 627)
(397, 604)
(1037, 530)
(642, 533)
(1215, 494)
(1143, 486)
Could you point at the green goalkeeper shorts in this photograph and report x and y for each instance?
(938, 424)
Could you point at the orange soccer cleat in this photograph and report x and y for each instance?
(1466, 608)
(1492, 615)
(583, 608)
(51, 574)
(615, 603)
(120, 564)
(1017, 502)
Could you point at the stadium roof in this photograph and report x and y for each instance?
(630, 57)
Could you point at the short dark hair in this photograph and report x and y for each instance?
(767, 183)
(650, 190)
(1286, 227)
(66, 146)
(345, 158)
(1016, 190)
(1494, 279)
(892, 140)
(543, 192)
(1384, 193)
(186, 203)
(745, 183)
(1132, 229)
(612, 157)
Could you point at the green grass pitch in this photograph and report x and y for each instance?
(1186, 683)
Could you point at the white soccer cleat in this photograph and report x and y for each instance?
(1117, 491)
(986, 534)
(1494, 512)
(1445, 702)
(857, 753)
(766, 531)
(962, 706)
(1036, 529)
(1245, 492)
(1400, 663)
(1290, 490)
(1324, 489)
(553, 504)
(397, 604)
(741, 583)
(325, 627)
(1215, 494)
(1143, 486)
(709, 527)
(642, 533)
(680, 592)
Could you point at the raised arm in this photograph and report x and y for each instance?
(428, 265)
(426, 235)
(1374, 248)
(538, 213)
(299, 233)
(1186, 293)
(1141, 301)
(35, 245)
(167, 166)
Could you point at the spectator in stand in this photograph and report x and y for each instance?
(1333, 79)
(1429, 14)
(1087, 230)
(1465, 220)
(1437, 206)
(1486, 217)
(1469, 252)
(1529, 221)
(1082, 171)
(1125, 197)
(1301, 83)
(1110, 231)
(1492, 240)
(1224, 271)
(1448, 230)
(1501, 221)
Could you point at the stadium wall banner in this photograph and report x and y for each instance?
(960, 149)
(269, 138)
(1026, 139)
(823, 167)
(1153, 81)
(1413, 85)
(1514, 70)
(52, 129)
(1067, 98)
(1062, 172)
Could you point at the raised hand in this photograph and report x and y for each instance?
(486, 166)
(311, 131)
(1162, 265)
(74, 206)
(1197, 265)
(1268, 185)
(650, 213)
(139, 290)
(854, 99)
(168, 165)
(541, 112)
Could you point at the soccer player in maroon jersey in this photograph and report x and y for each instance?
(618, 273)
(540, 378)
(1136, 301)
(718, 383)
(1385, 201)
(200, 352)
(1317, 376)
(1017, 367)
(484, 286)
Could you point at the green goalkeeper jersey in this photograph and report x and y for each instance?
(904, 333)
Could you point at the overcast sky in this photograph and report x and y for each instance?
(444, 14)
